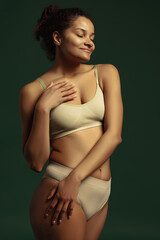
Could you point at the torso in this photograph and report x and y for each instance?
(71, 149)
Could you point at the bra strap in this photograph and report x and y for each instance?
(96, 73)
(42, 83)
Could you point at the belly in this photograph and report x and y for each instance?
(70, 150)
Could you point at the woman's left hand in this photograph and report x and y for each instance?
(64, 199)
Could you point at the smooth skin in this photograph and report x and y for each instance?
(35, 105)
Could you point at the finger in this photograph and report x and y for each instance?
(51, 207)
(59, 84)
(57, 211)
(72, 96)
(52, 192)
(70, 208)
(55, 84)
(69, 92)
(50, 85)
(69, 88)
(63, 211)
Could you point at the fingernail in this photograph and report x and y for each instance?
(46, 214)
(59, 221)
(53, 222)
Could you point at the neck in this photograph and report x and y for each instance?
(65, 67)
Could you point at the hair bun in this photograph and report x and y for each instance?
(50, 10)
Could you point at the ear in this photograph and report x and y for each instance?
(56, 38)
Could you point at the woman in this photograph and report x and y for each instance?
(76, 109)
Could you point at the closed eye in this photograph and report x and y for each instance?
(82, 36)
(79, 35)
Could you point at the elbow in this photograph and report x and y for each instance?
(33, 163)
(118, 139)
(36, 164)
(35, 168)
(115, 137)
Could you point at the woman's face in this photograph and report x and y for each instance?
(78, 37)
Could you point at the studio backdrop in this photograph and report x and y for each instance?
(127, 36)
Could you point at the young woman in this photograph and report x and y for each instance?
(76, 109)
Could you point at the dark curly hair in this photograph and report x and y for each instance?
(54, 18)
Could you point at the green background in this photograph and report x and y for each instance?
(127, 36)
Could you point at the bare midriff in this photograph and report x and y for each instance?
(71, 149)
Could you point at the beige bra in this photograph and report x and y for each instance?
(68, 118)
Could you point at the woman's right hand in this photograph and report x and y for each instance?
(56, 93)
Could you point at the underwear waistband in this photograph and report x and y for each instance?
(54, 167)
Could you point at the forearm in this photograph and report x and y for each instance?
(37, 147)
(101, 151)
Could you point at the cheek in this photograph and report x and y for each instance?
(74, 42)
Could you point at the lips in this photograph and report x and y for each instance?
(86, 50)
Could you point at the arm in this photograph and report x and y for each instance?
(67, 188)
(35, 129)
(113, 119)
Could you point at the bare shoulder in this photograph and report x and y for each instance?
(108, 69)
(28, 88)
(31, 89)
(29, 94)
(108, 74)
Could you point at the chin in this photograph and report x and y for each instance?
(80, 58)
(84, 59)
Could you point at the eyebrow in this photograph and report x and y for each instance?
(85, 31)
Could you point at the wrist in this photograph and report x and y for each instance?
(75, 176)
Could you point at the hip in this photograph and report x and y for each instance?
(103, 172)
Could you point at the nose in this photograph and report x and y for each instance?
(89, 43)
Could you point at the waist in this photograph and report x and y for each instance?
(59, 171)
(71, 150)
(75, 146)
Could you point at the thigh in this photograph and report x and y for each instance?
(73, 228)
(95, 224)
